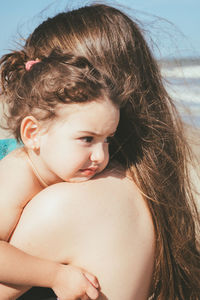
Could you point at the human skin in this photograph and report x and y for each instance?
(73, 147)
(102, 225)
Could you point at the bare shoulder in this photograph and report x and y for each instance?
(110, 189)
(110, 202)
(108, 181)
(13, 166)
(102, 225)
(16, 189)
(106, 229)
(16, 179)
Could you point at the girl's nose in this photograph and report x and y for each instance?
(98, 154)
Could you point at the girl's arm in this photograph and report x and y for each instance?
(19, 268)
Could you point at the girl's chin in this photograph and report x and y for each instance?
(79, 179)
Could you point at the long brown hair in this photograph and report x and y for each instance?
(149, 141)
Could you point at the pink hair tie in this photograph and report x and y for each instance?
(30, 63)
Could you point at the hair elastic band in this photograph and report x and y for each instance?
(30, 63)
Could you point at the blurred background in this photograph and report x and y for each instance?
(171, 28)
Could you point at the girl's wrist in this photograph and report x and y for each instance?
(52, 278)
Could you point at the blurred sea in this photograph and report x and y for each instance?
(183, 84)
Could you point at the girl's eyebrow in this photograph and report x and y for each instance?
(95, 133)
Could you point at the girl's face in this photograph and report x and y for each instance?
(75, 147)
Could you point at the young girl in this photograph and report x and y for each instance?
(63, 111)
(149, 142)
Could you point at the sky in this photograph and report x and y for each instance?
(178, 36)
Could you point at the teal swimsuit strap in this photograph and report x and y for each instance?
(8, 145)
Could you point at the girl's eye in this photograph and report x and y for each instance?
(87, 139)
(109, 139)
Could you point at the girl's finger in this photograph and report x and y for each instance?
(92, 279)
(85, 297)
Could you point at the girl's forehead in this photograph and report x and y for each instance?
(99, 116)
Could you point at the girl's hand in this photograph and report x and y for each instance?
(71, 283)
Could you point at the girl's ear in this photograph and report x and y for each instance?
(30, 129)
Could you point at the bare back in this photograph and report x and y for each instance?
(18, 184)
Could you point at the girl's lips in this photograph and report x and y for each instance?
(88, 171)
